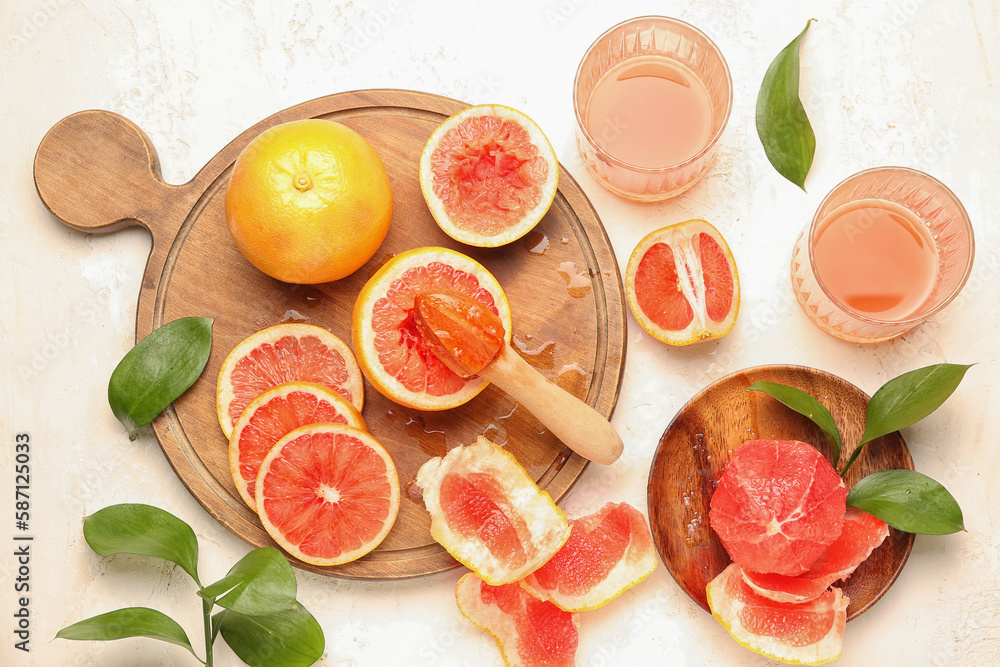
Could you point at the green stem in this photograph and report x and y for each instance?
(850, 461)
(206, 608)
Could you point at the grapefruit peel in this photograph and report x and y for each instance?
(480, 499)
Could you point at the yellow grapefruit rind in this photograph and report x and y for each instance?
(546, 523)
(495, 623)
(530, 219)
(700, 328)
(224, 391)
(321, 392)
(726, 610)
(391, 475)
(632, 569)
(363, 335)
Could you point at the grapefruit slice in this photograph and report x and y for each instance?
(778, 505)
(682, 285)
(281, 354)
(327, 493)
(270, 416)
(529, 632)
(862, 534)
(488, 175)
(489, 514)
(392, 353)
(607, 553)
(811, 633)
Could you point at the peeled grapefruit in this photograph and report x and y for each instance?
(682, 285)
(488, 175)
(811, 633)
(778, 505)
(529, 632)
(862, 534)
(327, 493)
(274, 413)
(607, 553)
(308, 201)
(392, 353)
(488, 513)
(281, 354)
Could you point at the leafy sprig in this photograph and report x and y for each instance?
(904, 499)
(260, 618)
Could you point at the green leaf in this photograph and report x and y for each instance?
(158, 369)
(782, 124)
(128, 622)
(217, 620)
(143, 530)
(908, 501)
(805, 405)
(261, 583)
(290, 638)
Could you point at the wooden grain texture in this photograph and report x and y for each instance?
(698, 443)
(97, 171)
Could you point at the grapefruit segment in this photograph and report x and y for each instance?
(327, 493)
(682, 284)
(274, 413)
(391, 351)
(862, 534)
(607, 553)
(778, 505)
(488, 175)
(529, 632)
(488, 513)
(280, 354)
(811, 633)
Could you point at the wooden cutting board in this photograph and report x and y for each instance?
(97, 172)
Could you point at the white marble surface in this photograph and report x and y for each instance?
(909, 82)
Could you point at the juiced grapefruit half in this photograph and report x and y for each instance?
(811, 633)
(682, 285)
(392, 353)
(607, 553)
(489, 514)
(281, 354)
(529, 632)
(862, 534)
(271, 416)
(779, 504)
(488, 175)
(327, 493)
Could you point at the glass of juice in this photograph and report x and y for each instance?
(652, 96)
(888, 248)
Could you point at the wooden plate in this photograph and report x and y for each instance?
(97, 172)
(699, 441)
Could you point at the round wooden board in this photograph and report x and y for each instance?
(698, 443)
(562, 282)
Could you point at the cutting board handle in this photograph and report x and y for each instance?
(97, 172)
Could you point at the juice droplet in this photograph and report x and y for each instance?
(496, 434)
(414, 492)
(573, 379)
(577, 281)
(564, 240)
(539, 357)
(432, 441)
(292, 315)
(536, 243)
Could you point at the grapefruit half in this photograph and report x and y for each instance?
(529, 632)
(811, 633)
(327, 493)
(862, 534)
(488, 175)
(270, 416)
(281, 354)
(392, 353)
(607, 553)
(778, 505)
(682, 285)
(489, 514)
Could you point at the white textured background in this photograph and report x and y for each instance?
(909, 82)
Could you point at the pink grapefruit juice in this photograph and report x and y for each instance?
(650, 112)
(876, 258)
